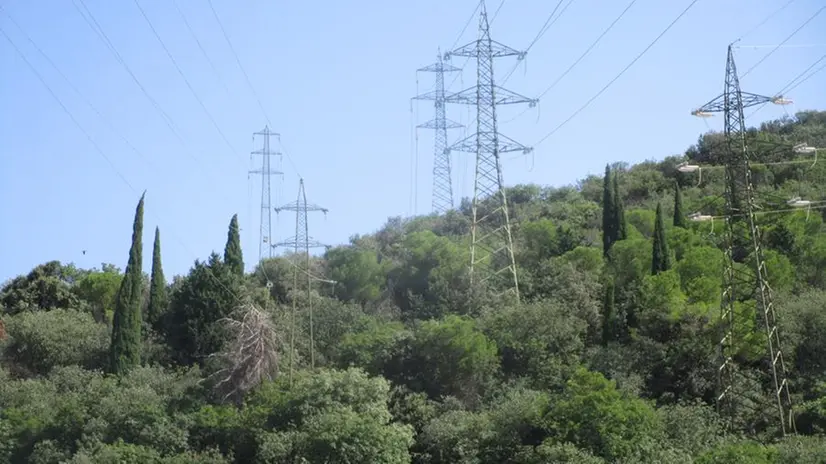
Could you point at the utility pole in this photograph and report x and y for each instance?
(442, 178)
(746, 290)
(491, 251)
(301, 243)
(265, 234)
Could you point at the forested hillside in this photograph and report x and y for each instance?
(610, 357)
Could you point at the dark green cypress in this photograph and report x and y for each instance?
(619, 211)
(233, 256)
(679, 215)
(609, 231)
(609, 317)
(661, 260)
(157, 285)
(125, 350)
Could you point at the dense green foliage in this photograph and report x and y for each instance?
(610, 356)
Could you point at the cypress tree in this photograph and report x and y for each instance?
(679, 216)
(608, 211)
(661, 260)
(619, 211)
(125, 350)
(609, 317)
(157, 285)
(233, 256)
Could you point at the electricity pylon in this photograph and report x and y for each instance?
(301, 243)
(265, 233)
(442, 178)
(491, 252)
(745, 283)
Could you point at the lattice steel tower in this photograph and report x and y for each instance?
(442, 178)
(746, 290)
(301, 243)
(265, 234)
(491, 252)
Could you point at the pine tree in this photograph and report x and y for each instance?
(661, 260)
(157, 286)
(233, 256)
(125, 350)
(679, 216)
(619, 211)
(609, 231)
(609, 317)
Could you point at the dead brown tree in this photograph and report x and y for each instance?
(251, 356)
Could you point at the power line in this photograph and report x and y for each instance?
(238, 61)
(65, 109)
(767, 18)
(492, 19)
(793, 84)
(249, 81)
(77, 91)
(789, 89)
(89, 103)
(581, 57)
(183, 76)
(611, 82)
(101, 152)
(198, 163)
(549, 23)
(467, 23)
(200, 46)
(101, 34)
(542, 30)
(588, 50)
(771, 52)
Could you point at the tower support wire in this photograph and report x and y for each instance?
(745, 282)
(491, 253)
(265, 247)
(301, 244)
(442, 177)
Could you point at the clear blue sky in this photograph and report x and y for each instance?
(335, 79)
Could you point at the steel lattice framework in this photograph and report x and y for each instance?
(442, 178)
(491, 252)
(265, 232)
(747, 295)
(301, 243)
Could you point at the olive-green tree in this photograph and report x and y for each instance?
(125, 350)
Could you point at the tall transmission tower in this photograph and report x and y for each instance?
(301, 243)
(491, 252)
(746, 290)
(265, 234)
(442, 178)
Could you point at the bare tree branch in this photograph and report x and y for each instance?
(250, 357)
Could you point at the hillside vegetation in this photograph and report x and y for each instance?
(610, 357)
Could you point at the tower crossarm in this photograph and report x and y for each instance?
(718, 105)
(505, 144)
(434, 95)
(268, 171)
(502, 96)
(295, 206)
(300, 242)
(440, 67)
(497, 50)
(267, 132)
(436, 124)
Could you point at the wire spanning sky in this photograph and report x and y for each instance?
(335, 80)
